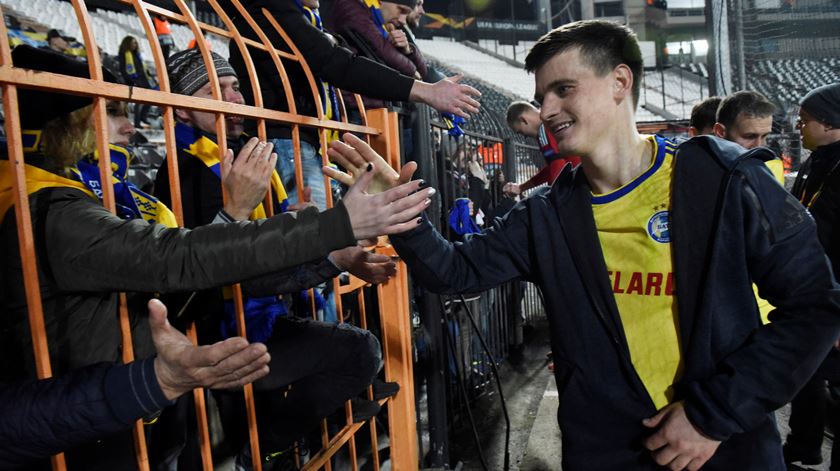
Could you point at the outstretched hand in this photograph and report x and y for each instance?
(181, 366)
(246, 179)
(677, 444)
(354, 155)
(369, 266)
(448, 96)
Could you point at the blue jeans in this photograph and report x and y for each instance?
(310, 160)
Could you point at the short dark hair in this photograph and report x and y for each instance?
(515, 110)
(751, 104)
(603, 45)
(704, 113)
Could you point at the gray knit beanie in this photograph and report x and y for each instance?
(823, 103)
(187, 72)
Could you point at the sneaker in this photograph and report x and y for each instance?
(382, 389)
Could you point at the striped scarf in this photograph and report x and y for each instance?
(376, 15)
(131, 202)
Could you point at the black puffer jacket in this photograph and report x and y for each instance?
(106, 399)
(326, 58)
(86, 256)
(731, 225)
(821, 174)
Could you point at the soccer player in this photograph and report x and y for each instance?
(646, 255)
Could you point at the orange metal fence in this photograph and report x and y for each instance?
(381, 131)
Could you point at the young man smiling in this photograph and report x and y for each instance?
(682, 379)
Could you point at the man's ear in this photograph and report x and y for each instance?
(720, 130)
(623, 83)
(693, 132)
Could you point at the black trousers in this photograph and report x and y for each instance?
(810, 411)
(315, 367)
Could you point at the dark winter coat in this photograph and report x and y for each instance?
(732, 224)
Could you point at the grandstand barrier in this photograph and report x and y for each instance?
(381, 131)
(452, 365)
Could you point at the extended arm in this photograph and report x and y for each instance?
(44, 417)
(348, 71)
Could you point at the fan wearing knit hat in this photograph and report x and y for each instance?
(817, 186)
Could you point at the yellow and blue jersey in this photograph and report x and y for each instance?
(633, 225)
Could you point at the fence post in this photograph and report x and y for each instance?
(396, 322)
(509, 164)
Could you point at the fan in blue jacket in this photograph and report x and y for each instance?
(41, 418)
(646, 255)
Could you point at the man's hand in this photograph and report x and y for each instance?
(447, 96)
(400, 41)
(371, 267)
(181, 366)
(386, 213)
(247, 178)
(511, 189)
(355, 156)
(677, 444)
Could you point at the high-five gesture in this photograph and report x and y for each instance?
(355, 156)
(389, 212)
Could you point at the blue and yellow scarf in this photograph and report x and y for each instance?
(194, 143)
(376, 15)
(131, 202)
(460, 220)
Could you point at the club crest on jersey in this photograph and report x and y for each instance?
(658, 227)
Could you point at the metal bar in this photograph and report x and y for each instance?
(168, 115)
(26, 240)
(374, 442)
(254, 78)
(198, 394)
(205, 27)
(316, 96)
(112, 91)
(108, 199)
(396, 341)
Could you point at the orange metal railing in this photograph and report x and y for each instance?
(381, 131)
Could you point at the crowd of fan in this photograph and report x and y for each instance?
(303, 370)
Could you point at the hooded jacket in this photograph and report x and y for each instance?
(106, 399)
(731, 225)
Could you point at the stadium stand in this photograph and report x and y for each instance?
(786, 80)
(519, 84)
(108, 26)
